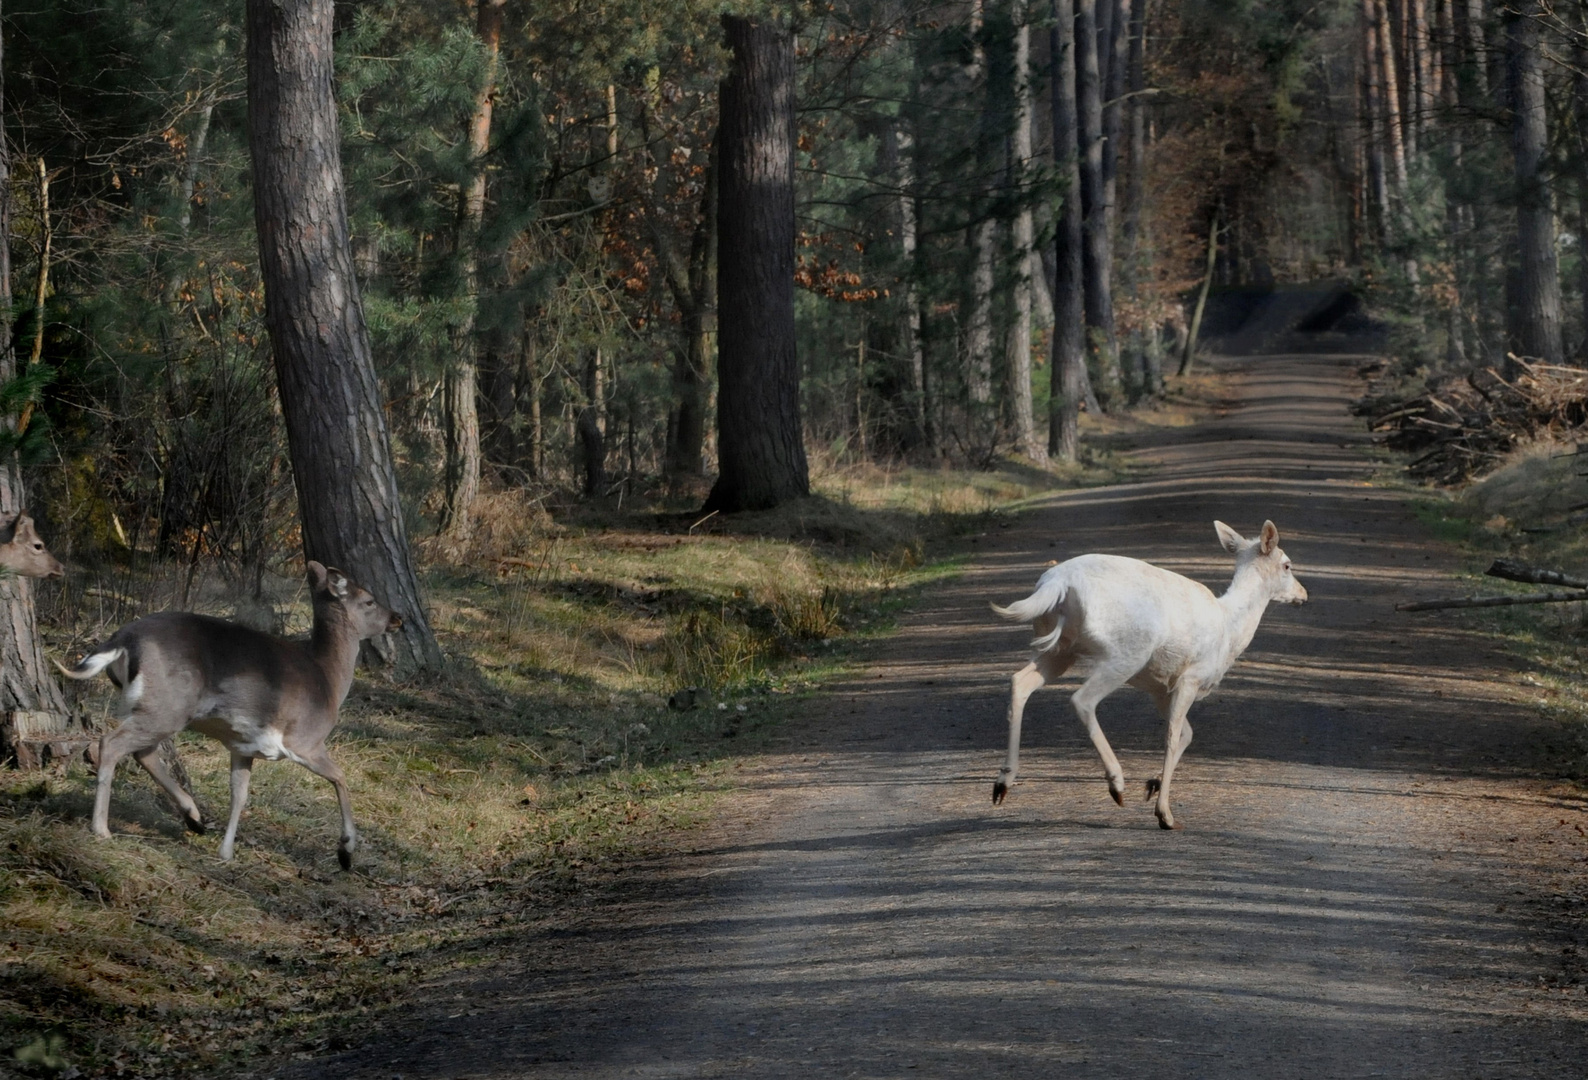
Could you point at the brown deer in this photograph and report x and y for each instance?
(24, 553)
(262, 696)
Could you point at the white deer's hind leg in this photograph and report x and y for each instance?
(242, 772)
(1102, 682)
(1179, 737)
(1027, 681)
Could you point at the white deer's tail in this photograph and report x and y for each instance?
(92, 664)
(1044, 602)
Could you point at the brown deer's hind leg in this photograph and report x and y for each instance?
(150, 760)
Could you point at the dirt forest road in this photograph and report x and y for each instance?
(1372, 879)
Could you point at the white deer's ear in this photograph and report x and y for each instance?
(1268, 539)
(1231, 539)
(316, 576)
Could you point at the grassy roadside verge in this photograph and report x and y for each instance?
(1524, 511)
(500, 795)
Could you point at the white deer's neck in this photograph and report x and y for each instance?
(1244, 603)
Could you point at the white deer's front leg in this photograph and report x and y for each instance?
(1178, 738)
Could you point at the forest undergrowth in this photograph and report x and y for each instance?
(610, 672)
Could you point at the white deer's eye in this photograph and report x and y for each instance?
(1287, 564)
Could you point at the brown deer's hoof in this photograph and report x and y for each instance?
(1119, 796)
(195, 825)
(345, 857)
(1153, 785)
(1000, 792)
(1162, 824)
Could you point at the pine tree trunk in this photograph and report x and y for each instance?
(1394, 131)
(691, 286)
(1116, 68)
(1423, 108)
(1373, 118)
(1136, 158)
(1579, 86)
(982, 241)
(1097, 254)
(330, 396)
(1535, 321)
(462, 391)
(1023, 240)
(760, 442)
(1068, 366)
(27, 683)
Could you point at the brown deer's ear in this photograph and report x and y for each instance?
(316, 576)
(1268, 539)
(337, 582)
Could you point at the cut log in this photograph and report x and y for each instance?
(1533, 575)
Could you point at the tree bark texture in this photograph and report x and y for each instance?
(1068, 366)
(330, 396)
(27, 683)
(760, 443)
(1022, 239)
(1535, 318)
(462, 474)
(1097, 253)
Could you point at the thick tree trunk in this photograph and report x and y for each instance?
(462, 474)
(27, 683)
(1068, 366)
(1022, 240)
(760, 443)
(330, 396)
(1535, 317)
(1097, 254)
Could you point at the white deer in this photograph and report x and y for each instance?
(1149, 627)
(260, 695)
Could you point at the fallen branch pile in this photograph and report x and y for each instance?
(1512, 571)
(1466, 424)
